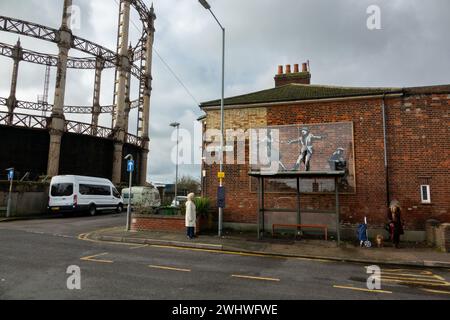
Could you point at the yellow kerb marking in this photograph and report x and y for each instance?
(387, 274)
(84, 237)
(407, 270)
(362, 289)
(436, 291)
(419, 281)
(235, 253)
(137, 247)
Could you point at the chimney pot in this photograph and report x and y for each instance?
(280, 69)
(296, 68)
(288, 68)
(304, 67)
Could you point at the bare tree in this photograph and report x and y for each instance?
(187, 184)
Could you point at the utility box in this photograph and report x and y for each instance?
(443, 237)
(430, 226)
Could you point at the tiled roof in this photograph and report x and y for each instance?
(295, 92)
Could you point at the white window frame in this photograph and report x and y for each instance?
(427, 186)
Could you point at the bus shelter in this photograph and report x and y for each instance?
(297, 175)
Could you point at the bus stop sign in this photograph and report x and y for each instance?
(221, 197)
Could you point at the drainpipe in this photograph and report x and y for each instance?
(386, 167)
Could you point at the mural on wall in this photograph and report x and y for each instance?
(307, 147)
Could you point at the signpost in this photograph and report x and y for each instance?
(221, 191)
(130, 166)
(130, 169)
(10, 179)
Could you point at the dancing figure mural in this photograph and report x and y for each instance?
(305, 140)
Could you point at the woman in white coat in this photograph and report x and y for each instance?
(190, 215)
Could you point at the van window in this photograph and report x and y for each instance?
(94, 190)
(62, 189)
(116, 193)
(126, 195)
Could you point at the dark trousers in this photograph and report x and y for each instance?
(190, 232)
(396, 238)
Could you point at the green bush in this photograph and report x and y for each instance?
(168, 211)
(202, 205)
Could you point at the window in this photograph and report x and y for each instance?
(425, 193)
(116, 193)
(62, 189)
(95, 190)
(126, 195)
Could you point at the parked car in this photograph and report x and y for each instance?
(78, 193)
(178, 201)
(143, 197)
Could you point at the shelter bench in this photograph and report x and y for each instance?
(312, 226)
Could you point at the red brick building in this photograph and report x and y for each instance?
(400, 149)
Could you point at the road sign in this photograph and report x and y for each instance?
(130, 165)
(10, 175)
(220, 174)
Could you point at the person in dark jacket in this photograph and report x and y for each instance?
(395, 222)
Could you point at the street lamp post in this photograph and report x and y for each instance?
(176, 125)
(130, 169)
(206, 5)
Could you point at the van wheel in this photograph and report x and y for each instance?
(92, 210)
(119, 208)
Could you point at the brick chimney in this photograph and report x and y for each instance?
(303, 77)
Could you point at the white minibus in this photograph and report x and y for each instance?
(78, 193)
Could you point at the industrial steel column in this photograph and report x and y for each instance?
(146, 100)
(11, 102)
(119, 127)
(57, 117)
(127, 92)
(127, 103)
(99, 65)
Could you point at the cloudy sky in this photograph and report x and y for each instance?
(411, 49)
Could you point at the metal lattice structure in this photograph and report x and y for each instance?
(128, 61)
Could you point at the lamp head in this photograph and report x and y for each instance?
(205, 4)
(129, 157)
(175, 124)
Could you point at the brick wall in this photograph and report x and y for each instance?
(419, 153)
(284, 79)
(160, 223)
(418, 148)
(238, 118)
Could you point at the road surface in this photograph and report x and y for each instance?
(35, 255)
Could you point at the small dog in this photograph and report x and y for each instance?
(379, 240)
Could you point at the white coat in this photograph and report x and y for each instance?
(191, 215)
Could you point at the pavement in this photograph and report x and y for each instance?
(408, 255)
(35, 256)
